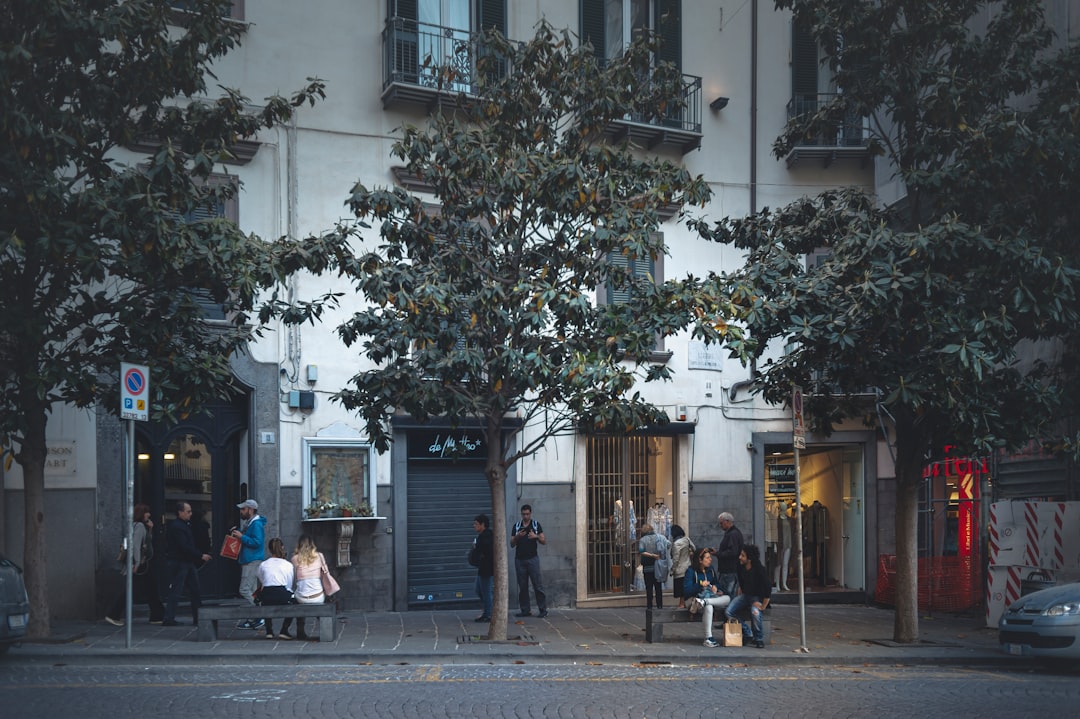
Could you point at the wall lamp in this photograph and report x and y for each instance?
(719, 103)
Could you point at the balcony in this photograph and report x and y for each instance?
(679, 131)
(846, 140)
(413, 52)
(412, 55)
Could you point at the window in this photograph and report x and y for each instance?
(235, 9)
(225, 208)
(338, 471)
(422, 34)
(640, 268)
(610, 25)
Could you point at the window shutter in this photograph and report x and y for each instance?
(592, 25)
(405, 9)
(668, 24)
(639, 268)
(492, 14)
(804, 62)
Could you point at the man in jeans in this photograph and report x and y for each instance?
(182, 555)
(525, 537)
(755, 590)
(727, 554)
(252, 536)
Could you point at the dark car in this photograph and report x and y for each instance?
(14, 604)
(1043, 624)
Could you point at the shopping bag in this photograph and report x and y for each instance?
(230, 548)
(733, 634)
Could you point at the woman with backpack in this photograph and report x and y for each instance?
(143, 582)
(652, 547)
(682, 549)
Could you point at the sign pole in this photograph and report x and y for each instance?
(134, 406)
(799, 442)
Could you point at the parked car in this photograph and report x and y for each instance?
(14, 604)
(1043, 624)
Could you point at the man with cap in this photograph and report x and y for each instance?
(252, 536)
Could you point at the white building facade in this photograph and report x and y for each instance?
(287, 445)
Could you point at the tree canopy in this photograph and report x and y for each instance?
(105, 260)
(919, 312)
(483, 297)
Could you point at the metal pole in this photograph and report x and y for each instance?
(129, 496)
(799, 554)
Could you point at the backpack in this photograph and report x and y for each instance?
(662, 566)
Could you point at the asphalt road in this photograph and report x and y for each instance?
(529, 692)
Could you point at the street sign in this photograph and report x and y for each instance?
(798, 424)
(134, 392)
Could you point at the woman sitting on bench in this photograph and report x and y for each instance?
(702, 593)
(276, 576)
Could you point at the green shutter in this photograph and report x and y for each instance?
(640, 268)
(492, 13)
(592, 25)
(668, 24)
(804, 61)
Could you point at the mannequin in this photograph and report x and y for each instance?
(784, 522)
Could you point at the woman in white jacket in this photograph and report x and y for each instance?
(682, 549)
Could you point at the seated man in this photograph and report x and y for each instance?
(754, 592)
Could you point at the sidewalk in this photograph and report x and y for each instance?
(835, 634)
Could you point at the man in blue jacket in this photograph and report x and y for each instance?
(252, 536)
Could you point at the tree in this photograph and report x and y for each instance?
(101, 260)
(483, 308)
(925, 305)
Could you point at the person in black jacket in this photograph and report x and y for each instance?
(755, 590)
(727, 554)
(484, 544)
(182, 555)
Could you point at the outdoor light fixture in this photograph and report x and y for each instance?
(719, 103)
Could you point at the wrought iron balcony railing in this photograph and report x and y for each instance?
(416, 56)
(845, 139)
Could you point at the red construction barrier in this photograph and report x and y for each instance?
(945, 583)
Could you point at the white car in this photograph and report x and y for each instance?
(1043, 624)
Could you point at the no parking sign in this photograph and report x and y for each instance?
(134, 391)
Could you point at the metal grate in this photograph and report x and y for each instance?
(617, 468)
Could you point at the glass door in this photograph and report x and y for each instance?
(628, 480)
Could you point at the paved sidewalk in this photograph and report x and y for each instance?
(835, 634)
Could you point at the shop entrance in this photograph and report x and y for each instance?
(834, 516)
(629, 482)
(200, 462)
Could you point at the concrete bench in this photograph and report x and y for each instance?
(210, 615)
(655, 619)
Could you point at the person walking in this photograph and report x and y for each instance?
(701, 589)
(252, 535)
(307, 565)
(682, 551)
(143, 578)
(277, 577)
(727, 554)
(650, 548)
(484, 555)
(527, 534)
(182, 555)
(755, 590)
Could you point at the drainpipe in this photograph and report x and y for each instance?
(753, 103)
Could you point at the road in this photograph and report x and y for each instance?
(530, 692)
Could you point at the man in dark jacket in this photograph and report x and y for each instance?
(727, 554)
(484, 546)
(755, 590)
(182, 555)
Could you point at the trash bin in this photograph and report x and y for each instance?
(1036, 581)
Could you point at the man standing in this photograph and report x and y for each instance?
(755, 590)
(484, 553)
(527, 533)
(182, 555)
(727, 554)
(252, 536)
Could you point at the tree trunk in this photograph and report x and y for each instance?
(496, 476)
(31, 457)
(908, 477)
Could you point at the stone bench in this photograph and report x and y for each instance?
(655, 619)
(210, 615)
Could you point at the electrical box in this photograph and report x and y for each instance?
(313, 373)
(301, 399)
